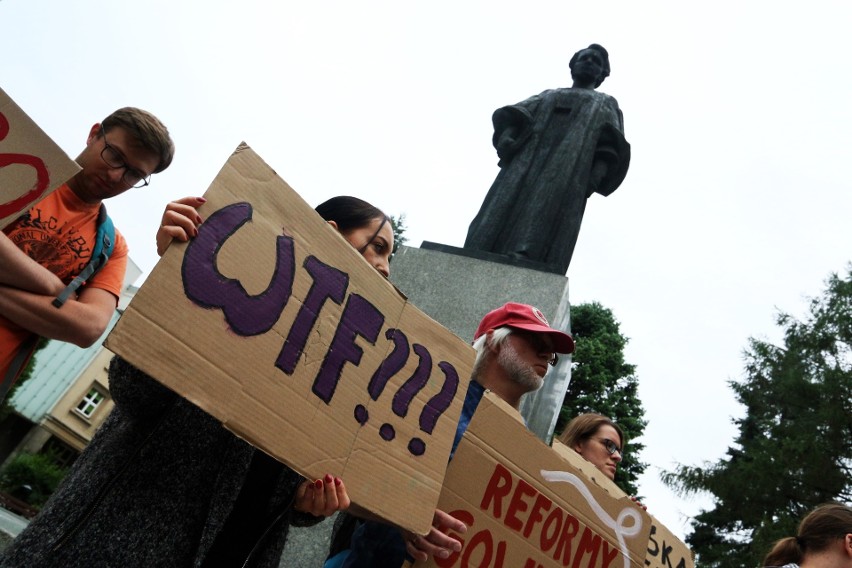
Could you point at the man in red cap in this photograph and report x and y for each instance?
(514, 346)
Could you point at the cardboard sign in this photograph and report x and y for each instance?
(271, 322)
(589, 470)
(526, 507)
(664, 550)
(31, 164)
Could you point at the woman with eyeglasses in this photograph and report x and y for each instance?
(598, 439)
(163, 483)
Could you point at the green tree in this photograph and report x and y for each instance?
(38, 473)
(602, 382)
(5, 406)
(794, 447)
(399, 227)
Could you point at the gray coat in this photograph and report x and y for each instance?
(555, 150)
(153, 488)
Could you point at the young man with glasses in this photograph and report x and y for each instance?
(514, 347)
(50, 244)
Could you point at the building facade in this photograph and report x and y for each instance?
(65, 400)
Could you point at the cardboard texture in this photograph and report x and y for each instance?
(664, 549)
(31, 164)
(527, 507)
(271, 322)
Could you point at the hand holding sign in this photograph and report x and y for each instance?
(296, 339)
(527, 506)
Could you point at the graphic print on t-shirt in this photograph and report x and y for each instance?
(61, 248)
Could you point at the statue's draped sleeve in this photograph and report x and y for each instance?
(555, 149)
(512, 127)
(614, 151)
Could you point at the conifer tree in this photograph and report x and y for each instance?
(602, 382)
(794, 447)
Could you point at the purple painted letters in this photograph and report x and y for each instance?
(203, 283)
(359, 317)
(329, 282)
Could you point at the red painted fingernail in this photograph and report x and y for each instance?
(329, 478)
(202, 200)
(337, 481)
(318, 483)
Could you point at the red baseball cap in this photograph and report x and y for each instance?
(528, 318)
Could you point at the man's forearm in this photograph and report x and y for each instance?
(20, 271)
(79, 321)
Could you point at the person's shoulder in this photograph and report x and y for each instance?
(609, 98)
(56, 198)
(547, 93)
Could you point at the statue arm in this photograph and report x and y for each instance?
(612, 158)
(512, 127)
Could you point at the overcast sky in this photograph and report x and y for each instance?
(736, 204)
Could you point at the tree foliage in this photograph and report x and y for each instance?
(399, 228)
(5, 406)
(602, 382)
(794, 447)
(38, 473)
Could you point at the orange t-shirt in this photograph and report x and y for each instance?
(59, 233)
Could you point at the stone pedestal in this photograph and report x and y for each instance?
(457, 287)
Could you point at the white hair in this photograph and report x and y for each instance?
(498, 337)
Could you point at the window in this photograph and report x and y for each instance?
(61, 453)
(90, 402)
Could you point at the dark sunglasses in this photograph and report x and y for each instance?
(541, 345)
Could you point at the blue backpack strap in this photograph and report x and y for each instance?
(104, 245)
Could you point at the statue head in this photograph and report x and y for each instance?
(598, 64)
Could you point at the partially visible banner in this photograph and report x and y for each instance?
(31, 164)
(526, 506)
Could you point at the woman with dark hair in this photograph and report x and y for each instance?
(163, 483)
(598, 439)
(366, 228)
(824, 540)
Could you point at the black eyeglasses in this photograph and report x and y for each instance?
(542, 345)
(113, 159)
(611, 447)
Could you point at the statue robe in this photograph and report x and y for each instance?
(567, 144)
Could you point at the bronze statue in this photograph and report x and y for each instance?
(555, 150)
